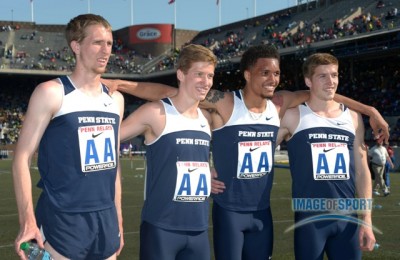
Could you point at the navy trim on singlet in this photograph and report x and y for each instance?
(237, 93)
(68, 87)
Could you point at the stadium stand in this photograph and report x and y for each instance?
(363, 34)
(38, 46)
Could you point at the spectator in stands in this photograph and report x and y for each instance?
(325, 142)
(379, 155)
(395, 136)
(2, 141)
(388, 167)
(175, 214)
(380, 4)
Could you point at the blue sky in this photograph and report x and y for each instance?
(190, 14)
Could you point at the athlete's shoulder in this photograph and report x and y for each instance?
(117, 96)
(51, 91)
(290, 119)
(50, 85)
(279, 97)
(216, 98)
(154, 108)
(357, 119)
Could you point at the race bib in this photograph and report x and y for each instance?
(193, 182)
(254, 159)
(97, 148)
(331, 161)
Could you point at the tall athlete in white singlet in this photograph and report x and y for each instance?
(74, 123)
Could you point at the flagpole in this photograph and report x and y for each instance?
(170, 2)
(175, 14)
(174, 29)
(33, 19)
(219, 2)
(131, 12)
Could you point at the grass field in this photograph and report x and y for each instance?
(386, 219)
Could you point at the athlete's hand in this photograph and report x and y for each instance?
(380, 128)
(366, 238)
(121, 243)
(216, 185)
(112, 84)
(27, 233)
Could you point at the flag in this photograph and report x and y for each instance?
(170, 1)
(217, 2)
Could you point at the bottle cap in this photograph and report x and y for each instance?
(24, 245)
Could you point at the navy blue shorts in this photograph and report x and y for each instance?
(246, 235)
(337, 238)
(161, 244)
(89, 235)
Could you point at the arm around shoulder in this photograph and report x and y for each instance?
(220, 103)
(144, 90)
(378, 124)
(284, 99)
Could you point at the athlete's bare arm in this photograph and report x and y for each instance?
(363, 184)
(144, 90)
(378, 124)
(148, 119)
(289, 123)
(117, 96)
(284, 99)
(220, 105)
(222, 102)
(36, 120)
(287, 99)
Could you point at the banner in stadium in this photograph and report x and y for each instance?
(154, 33)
